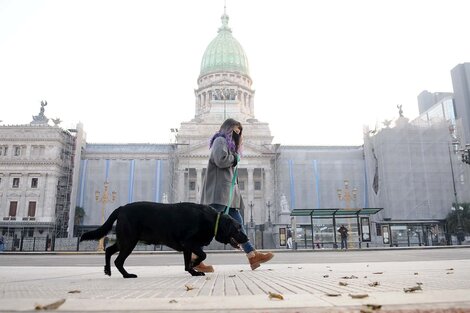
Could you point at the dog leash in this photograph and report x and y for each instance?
(234, 180)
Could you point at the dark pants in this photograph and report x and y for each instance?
(344, 242)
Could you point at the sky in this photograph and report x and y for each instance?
(321, 69)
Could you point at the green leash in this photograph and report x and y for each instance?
(234, 180)
(227, 207)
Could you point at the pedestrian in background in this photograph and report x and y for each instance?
(2, 243)
(343, 231)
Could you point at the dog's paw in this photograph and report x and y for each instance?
(107, 270)
(130, 276)
(196, 273)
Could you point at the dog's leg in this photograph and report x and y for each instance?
(200, 256)
(188, 266)
(109, 252)
(125, 251)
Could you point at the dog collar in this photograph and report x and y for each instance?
(217, 224)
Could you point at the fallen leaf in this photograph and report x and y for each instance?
(342, 283)
(50, 306)
(378, 273)
(419, 284)
(449, 273)
(333, 294)
(349, 277)
(374, 284)
(359, 295)
(189, 287)
(241, 270)
(299, 268)
(370, 308)
(232, 275)
(326, 276)
(74, 291)
(450, 269)
(275, 296)
(416, 273)
(172, 301)
(412, 289)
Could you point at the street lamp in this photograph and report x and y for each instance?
(251, 214)
(268, 204)
(459, 223)
(347, 195)
(105, 198)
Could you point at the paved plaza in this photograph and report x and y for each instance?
(435, 285)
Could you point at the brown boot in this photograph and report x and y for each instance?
(256, 258)
(204, 268)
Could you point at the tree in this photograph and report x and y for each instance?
(79, 214)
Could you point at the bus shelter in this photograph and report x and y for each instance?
(359, 216)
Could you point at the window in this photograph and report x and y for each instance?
(13, 207)
(32, 208)
(192, 185)
(29, 231)
(34, 182)
(241, 185)
(16, 150)
(257, 185)
(3, 150)
(16, 182)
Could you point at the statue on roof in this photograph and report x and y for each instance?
(400, 110)
(40, 118)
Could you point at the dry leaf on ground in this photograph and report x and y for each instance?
(172, 301)
(74, 291)
(189, 287)
(50, 306)
(342, 283)
(273, 295)
(358, 295)
(412, 289)
(374, 284)
(333, 294)
(349, 277)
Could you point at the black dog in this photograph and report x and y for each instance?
(184, 227)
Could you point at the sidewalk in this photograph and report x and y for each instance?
(235, 288)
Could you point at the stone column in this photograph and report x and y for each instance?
(268, 193)
(251, 190)
(180, 186)
(198, 184)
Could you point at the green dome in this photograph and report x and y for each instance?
(224, 53)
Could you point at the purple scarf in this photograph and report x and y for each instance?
(228, 137)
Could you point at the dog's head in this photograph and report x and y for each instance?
(230, 231)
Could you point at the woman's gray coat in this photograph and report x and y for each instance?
(218, 180)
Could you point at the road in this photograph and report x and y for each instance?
(234, 257)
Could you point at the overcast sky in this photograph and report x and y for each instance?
(321, 69)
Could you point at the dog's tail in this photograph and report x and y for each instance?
(103, 230)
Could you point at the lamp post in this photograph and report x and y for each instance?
(459, 208)
(268, 204)
(347, 195)
(104, 199)
(251, 214)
